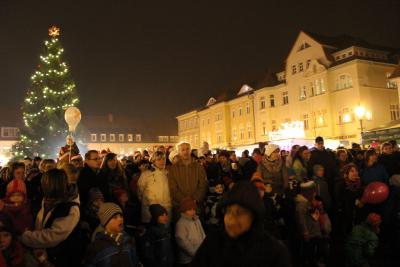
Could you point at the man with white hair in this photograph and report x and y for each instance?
(187, 177)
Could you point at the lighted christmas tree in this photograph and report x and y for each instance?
(51, 92)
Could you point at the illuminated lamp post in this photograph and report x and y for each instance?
(362, 113)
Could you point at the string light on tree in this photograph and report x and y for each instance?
(50, 93)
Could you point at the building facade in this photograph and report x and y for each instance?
(336, 87)
(8, 138)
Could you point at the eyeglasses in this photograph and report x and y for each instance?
(95, 159)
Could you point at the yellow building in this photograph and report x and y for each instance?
(188, 128)
(335, 87)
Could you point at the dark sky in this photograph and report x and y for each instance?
(158, 59)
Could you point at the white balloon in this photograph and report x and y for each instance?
(72, 117)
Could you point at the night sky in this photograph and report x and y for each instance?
(158, 59)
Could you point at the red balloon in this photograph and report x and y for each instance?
(375, 193)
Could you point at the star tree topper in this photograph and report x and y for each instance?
(54, 31)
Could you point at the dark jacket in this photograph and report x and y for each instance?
(158, 250)
(87, 180)
(375, 173)
(323, 191)
(106, 252)
(253, 248)
(361, 245)
(249, 168)
(391, 163)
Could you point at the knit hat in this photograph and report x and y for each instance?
(156, 210)
(269, 149)
(172, 155)
(187, 203)
(374, 219)
(16, 186)
(6, 224)
(95, 194)
(107, 211)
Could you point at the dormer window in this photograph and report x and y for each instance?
(245, 89)
(304, 45)
(211, 101)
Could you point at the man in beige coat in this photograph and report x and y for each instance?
(187, 178)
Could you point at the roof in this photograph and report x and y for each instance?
(344, 41)
(396, 72)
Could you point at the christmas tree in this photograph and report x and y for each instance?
(51, 92)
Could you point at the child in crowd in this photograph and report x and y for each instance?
(90, 215)
(158, 250)
(189, 233)
(131, 219)
(363, 241)
(12, 253)
(215, 192)
(321, 186)
(112, 246)
(17, 207)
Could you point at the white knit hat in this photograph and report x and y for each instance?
(270, 148)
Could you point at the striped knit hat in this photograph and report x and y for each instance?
(107, 211)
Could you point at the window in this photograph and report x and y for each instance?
(319, 86)
(271, 101)
(264, 128)
(308, 63)
(344, 81)
(130, 137)
(350, 53)
(138, 138)
(273, 125)
(321, 118)
(121, 138)
(300, 66)
(240, 111)
(218, 116)
(249, 132)
(248, 108)
(345, 116)
(112, 137)
(303, 92)
(9, 132)
(163, 138)
(394, 112)
(233, 113)
(203, 122)
(303, 46)
(234, 134)
(285, 98)
(390, 84)
(305, 122)
(208, 121)
(294, 70)
(241, 133)
(103, 138)
(219, 138)
(262, 103)
(312, 89)
(93, 137)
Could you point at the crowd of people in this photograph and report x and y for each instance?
(184, 207)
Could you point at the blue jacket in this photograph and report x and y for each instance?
(106, 252)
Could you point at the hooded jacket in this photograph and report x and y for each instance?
(253, 248)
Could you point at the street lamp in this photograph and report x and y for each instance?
(361, 113)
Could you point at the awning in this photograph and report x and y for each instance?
(390, 131)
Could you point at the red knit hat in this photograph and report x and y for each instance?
(16, 186)
(374, 219)
(187, 203)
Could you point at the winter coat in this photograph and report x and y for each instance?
(306, 224)
(391, 163)
(323, 191)
(88, 179)
(153, 188)
(300, 170)
(274, 172)
(249, 168)
(112, 180)
(105, 251)
(34, 191)
(219, 250)
(375, 173)
(189, 235)
(227, 175)
(21, 216)
(211, 204)
(345, 206)
(56, 231)
(187, 181)
(158, 250)
(361, 245)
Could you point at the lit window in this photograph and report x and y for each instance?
(394, 112)
(112, 137)
(262, 103)
(103, 137)
(271, 101)
(308, 63)
(130, 137)
(285, 98)
(121, 138)
(9, 132)
(344, 81)
(264, 128)
(303, 92)
(300, 67)
(294, 69)
(93, 137)
(305, 122)
(138, 138)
